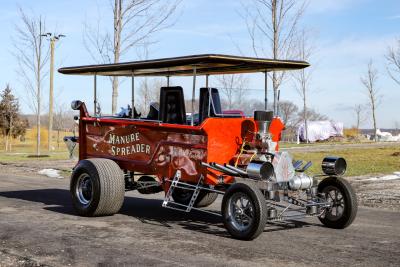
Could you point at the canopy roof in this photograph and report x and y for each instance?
(183, 66)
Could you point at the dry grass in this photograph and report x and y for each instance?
(28, 143)
(351, 132)
(22, 149)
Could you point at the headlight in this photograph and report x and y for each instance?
(75, 105)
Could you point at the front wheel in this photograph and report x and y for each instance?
(244, 211)
(342, 201)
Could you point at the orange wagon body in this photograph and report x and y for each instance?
(161, 149)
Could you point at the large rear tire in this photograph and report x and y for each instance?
(244, 211)
(97, 187)
(343, 200)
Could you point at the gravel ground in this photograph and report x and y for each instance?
(379, 193)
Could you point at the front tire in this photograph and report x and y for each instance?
(343, 200)
(244, 211)
(97, 187)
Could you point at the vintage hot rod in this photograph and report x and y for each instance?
(194, 158)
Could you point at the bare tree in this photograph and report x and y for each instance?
(233, 89)
(134, 23)
(149, 88)
(302, 77)
(314, 115)
(63, 120)
(149, 91)
(393, 61)
(249, 105)
(288, 113)
(358, 110)
(397, 126)
(369, 81)
(273, 24)
(32, 56)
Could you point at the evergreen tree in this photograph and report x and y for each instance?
(11, 125)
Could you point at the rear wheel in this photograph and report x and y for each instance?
(204, 199)
(97, 187)
(342, 200)
(244, 211)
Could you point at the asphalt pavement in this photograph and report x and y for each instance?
(38, 227)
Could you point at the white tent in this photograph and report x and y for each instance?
(319, 130)
(387, 137)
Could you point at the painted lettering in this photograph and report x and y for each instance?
(127, 144)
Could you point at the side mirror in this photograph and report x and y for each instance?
(75, 105)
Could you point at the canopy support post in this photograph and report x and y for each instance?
(133, 96)
(95, 94)
(193, 93)
(265, 90)
(167, 81)
(209, 96)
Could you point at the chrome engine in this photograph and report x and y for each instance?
(284, 170)
(285, 184)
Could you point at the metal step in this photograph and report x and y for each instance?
(175, 183)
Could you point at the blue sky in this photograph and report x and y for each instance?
(348, 33)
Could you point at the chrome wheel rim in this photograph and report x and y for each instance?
(84, 189)
(241, 211)
(336, 202)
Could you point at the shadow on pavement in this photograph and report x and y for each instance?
(59, 197)
(148, 211)
(287, 225)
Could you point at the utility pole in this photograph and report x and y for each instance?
(53, 39)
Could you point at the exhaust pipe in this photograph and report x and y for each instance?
(240, 171)
(224, 169)
(260, 170)
(218, 168)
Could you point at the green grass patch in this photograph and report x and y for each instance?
(360, 161)
(15, 157)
